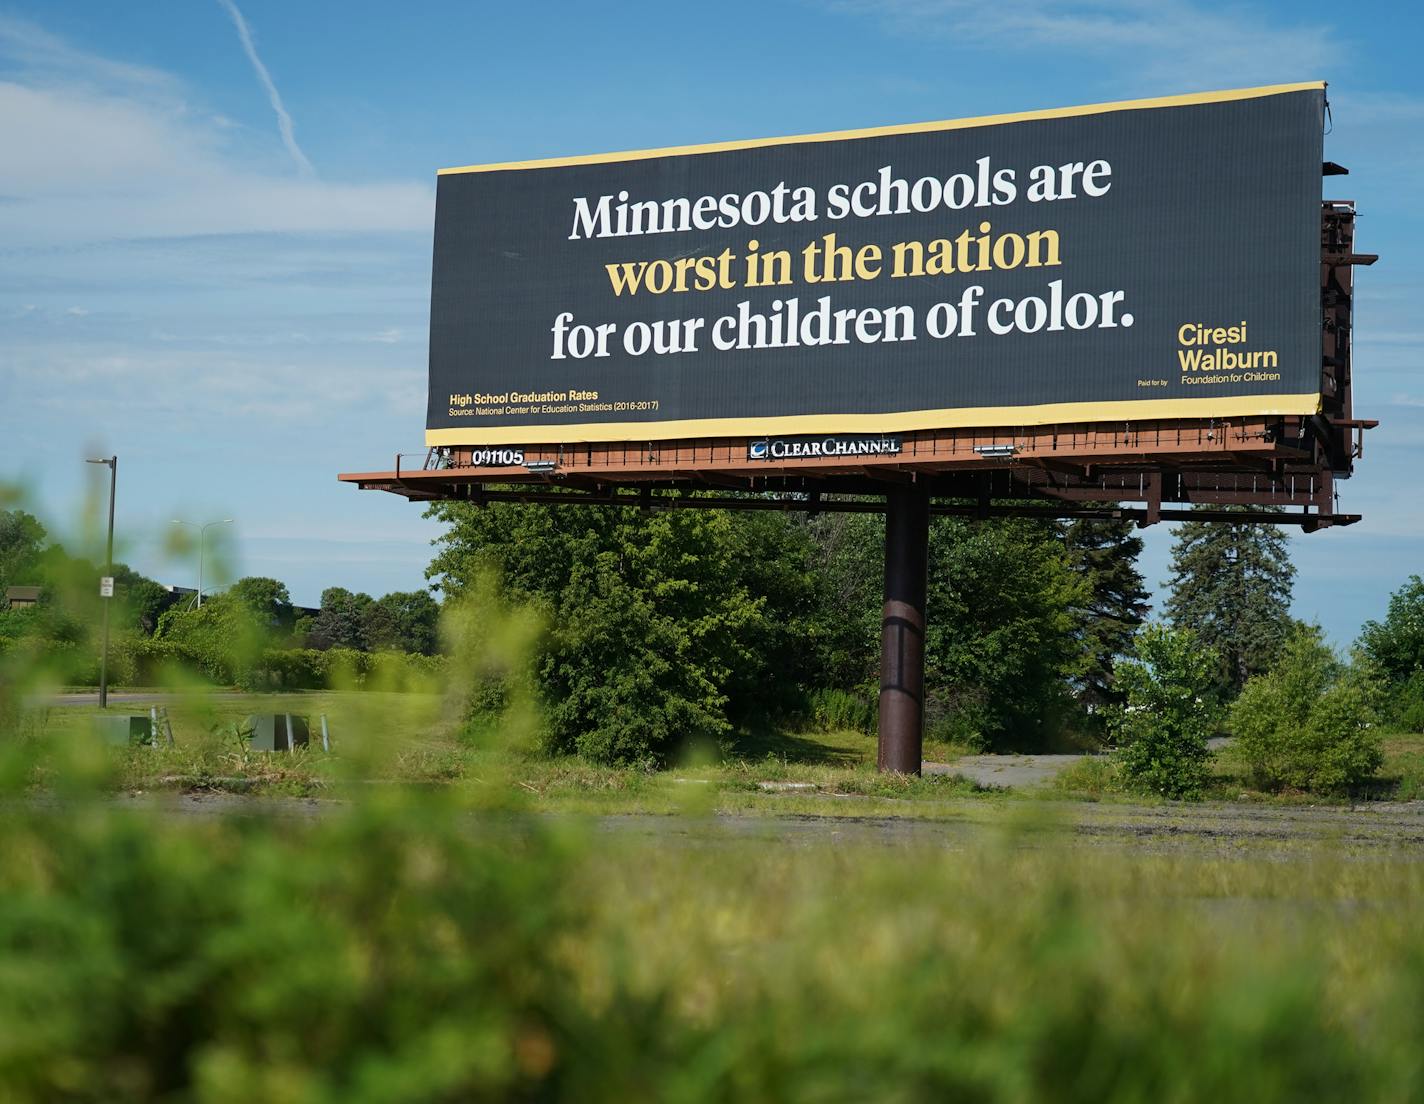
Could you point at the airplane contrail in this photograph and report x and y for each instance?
(284, 121)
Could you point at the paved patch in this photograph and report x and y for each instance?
(130, 697)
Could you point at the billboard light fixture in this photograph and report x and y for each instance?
(541, 467)
(991, 451)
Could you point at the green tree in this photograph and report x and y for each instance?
(1231, 585)
(990, 600)
(1169, 713)
(846, 561)
(665, 626)
(224, 637)
(69, 607)
(1105, 553)
(1309, 723)
(1396, 644)
(22, 538)
(341, 621)
(142, 600)
(1000, 644)
(267, 599)
(403, 621)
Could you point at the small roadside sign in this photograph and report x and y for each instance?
(106, 586)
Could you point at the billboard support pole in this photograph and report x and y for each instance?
(902, 629)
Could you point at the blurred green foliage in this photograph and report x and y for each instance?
(402, 947)
(69, 603)
(246, 636)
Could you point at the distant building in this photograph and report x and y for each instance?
(22, 597)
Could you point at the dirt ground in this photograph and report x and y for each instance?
(1273, 831)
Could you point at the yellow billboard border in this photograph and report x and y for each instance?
(987, 417)
(1187, 100)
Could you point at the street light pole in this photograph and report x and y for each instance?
(202, 535)
(113, 465)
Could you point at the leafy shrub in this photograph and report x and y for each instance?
(154, 660)
(286, 669)
(383, 956)
(1407, 704)
(834, 710)
(1309, 723)
(1170, 712)
(339, 669)
(1090, 778)
(403, 671)
(959, 716)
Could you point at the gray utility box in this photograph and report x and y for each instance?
(123, 731)
(269, 731)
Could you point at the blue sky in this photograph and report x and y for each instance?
(240, 313)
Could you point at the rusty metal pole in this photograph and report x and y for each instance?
(902, 631)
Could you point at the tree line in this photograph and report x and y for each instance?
(250, 632)
(670, 627)
(665, 629)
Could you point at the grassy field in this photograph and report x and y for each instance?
(383, 738)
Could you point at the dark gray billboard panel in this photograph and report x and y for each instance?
(1149, 259)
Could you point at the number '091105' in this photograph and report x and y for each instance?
(496, 458)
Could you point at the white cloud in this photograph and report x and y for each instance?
(1177, 43)
(204, 391)
(1370, 108)
(44, 57)
(100, 150)
(284, 119)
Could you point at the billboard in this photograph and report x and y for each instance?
(1146, 259)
